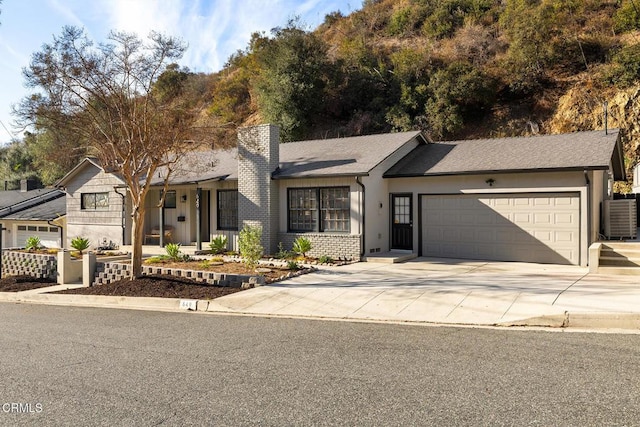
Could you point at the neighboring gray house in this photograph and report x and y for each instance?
(33, 212)
(534, 199)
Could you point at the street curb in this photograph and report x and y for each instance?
(594, 320)
(568, 320)
(138, 303)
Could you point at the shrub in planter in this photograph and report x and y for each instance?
(301, 246)
(250, 248)
(173, 251)
(218, 245)
(32, 243)
(80, 244)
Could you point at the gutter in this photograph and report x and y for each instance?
(588, 185)
(30, 203)
(362, 239)
(61, 231)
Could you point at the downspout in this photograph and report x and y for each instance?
(62, 242)
(362, 238)
(124, 214)
(588, 185)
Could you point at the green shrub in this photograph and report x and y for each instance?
(80, 243)
(627, 17)
(218, 245)
(283, 253)
(325, 259)
(301, 246)
(173, 251)
(625, 66)
(293, 265)
(249, 243)
(32, 243)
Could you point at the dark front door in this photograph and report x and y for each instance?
(401, 222)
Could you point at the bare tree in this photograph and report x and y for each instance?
(105, 92)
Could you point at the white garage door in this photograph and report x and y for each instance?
(49, 236)
(542, 228)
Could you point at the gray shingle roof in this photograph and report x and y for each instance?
(203, 165)
(577, 151)
(339, 156)
(41, 205)
(314, 158)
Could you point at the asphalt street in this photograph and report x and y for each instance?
(89, 366)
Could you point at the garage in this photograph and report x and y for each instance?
(49, 235)
(528, 227)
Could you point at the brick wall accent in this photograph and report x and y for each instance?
(28, 264)
(107, 272)
(337, 246)
(258, 158)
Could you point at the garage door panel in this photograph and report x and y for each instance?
(49, 236)
(510, 227)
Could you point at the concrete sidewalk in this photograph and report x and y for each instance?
(420, 291)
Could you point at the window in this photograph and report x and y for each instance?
(53, 229)
(334, 209)
(22, 228)
(227, 209)
(94, 201)
(330, 214)
(170, 200)
(303, 209)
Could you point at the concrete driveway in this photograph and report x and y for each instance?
(448, 292)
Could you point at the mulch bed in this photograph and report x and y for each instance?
(156, 286)
(23, 283)
(153, 285)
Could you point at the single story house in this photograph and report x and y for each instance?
(29, 212)
(533, 199)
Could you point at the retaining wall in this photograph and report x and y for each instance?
(112, 271)
(30, 264)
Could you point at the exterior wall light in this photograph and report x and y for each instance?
(490, 181)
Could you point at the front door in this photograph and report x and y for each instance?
(401, 222)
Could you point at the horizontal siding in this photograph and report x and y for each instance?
(93, 180)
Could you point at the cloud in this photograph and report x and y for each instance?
(214, 29)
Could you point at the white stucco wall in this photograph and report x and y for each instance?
(377, 195)
(538, 182)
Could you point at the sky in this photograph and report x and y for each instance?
(213, 29)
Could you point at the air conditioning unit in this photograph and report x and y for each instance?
(620, 220)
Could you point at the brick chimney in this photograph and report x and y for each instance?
(258, 158)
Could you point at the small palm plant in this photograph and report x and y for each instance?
(219, 244)
(301, 246)
(32, 243)
(80, 243)
(173, 251)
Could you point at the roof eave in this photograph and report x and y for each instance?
(312, 176)
(422, 140)
(498, 171)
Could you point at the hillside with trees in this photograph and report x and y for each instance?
(456, 69)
